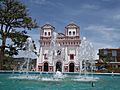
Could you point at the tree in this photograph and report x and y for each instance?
(13, 16)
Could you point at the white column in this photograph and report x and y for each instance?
(41, 55)
(53, 60)
(80, 65)
(37, 63)
(76, 58)
(39, 59)
(63, 59)
(66, 54)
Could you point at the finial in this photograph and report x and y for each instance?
(47, 22)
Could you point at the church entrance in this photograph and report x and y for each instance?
(59, 66)
(46, 67)
(71, 67)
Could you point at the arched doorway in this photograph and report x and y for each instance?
(59, 66)
(46, 67)
(71, 67)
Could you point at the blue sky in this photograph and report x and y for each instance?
(99, 20)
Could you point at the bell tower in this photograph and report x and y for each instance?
(45, 34)
(46, 30)
(72, 30)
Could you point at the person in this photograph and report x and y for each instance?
(93, 84)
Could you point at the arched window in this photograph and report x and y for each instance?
(69, 32)
(45, 56)
(45, 33)
(71, 67)
(59, 66)
(71, 56)
(73, 32)
(49, 33)
(46, 67)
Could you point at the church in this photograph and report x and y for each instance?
(59, 52)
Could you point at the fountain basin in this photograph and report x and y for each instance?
(46, 83)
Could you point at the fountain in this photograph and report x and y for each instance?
(29, 49)
(57, 76)
(60, 80)
(25, 67)
(86, 54)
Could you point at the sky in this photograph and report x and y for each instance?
(99, 20)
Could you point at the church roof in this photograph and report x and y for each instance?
(47, 26)
(72, 25)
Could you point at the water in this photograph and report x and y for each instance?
(58, 81)
(104, 83)
(58, 75)
(86, 55)
(28, 53)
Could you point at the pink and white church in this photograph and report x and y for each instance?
(65, 58)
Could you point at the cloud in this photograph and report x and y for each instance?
(103, 37)
(39, 2)
(116, 17)
(106, 0)
(89, 6)
(99, 28)
(106, 36)
(46, 2)
(104, 31)
(99, 45)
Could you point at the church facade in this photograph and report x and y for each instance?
(59, 52)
